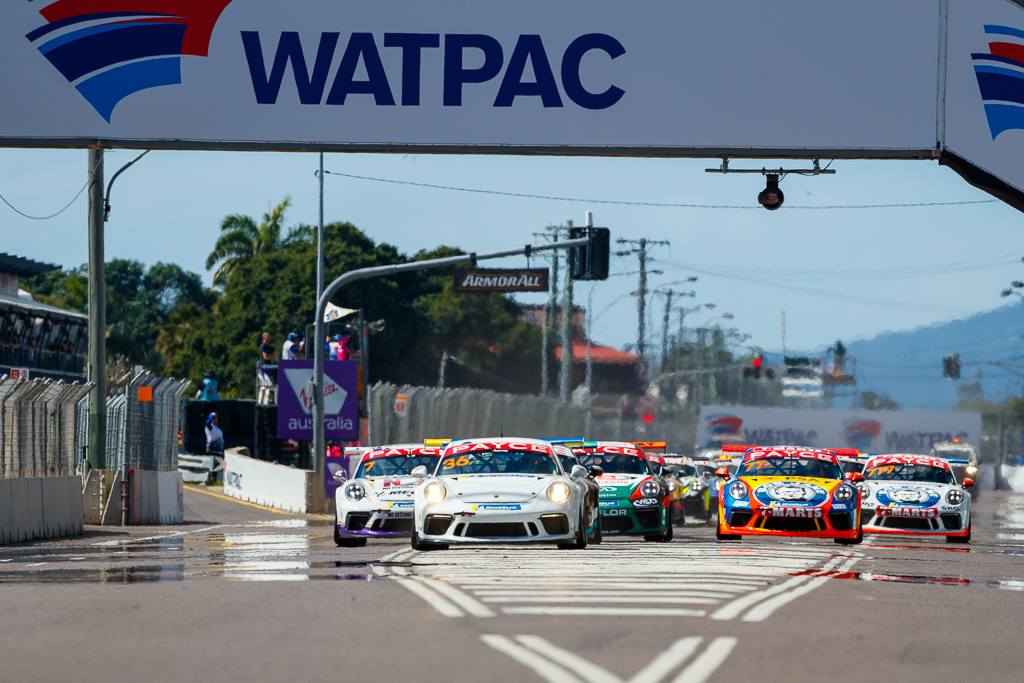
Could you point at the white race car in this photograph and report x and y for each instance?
(500, 491)
(377, 501)
(914, 494)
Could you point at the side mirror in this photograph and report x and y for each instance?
(722, 472)
(968, 482)
(420, 472)
(596, 471)
(854, 476)
(578, 471)
(667, 472)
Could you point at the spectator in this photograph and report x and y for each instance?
(209, 390)
(334, 348)
(214, 436)
(267, 357)
(292, 347)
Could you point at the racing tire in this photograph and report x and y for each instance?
(961, 539)
(597, 537)
(580, 540)
(664, 537)
(347, 541)
(726, 537)
(852, 541)
(417, 544)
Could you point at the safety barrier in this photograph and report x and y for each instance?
(270, 484)
(142, 424)
(40, 507)
(410, 414)
(37, 424)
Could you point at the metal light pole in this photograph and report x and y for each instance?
(97, 367)
(565, 372)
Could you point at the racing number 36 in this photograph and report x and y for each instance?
(452, 462)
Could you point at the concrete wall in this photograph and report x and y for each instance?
(273, 485)
(37, 508)
(157, 498)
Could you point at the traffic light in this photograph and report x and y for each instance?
(757, 367)
(590, 262)
(951, 366)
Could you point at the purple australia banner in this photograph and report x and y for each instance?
(295, 400)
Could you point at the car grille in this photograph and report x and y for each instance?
(648, 518)
(495, 529)
(356, 521)
(395, 525)
(840, 521)
(555, 524)
(740, 517)
(437, 525)
(616, 524)
(795, 524)
(914, 523)
(950, 520)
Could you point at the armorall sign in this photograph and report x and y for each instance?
(502, 280)
(907, 79)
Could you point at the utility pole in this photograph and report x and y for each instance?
(590, 366)
(552, 312)
(565, 373)
(318, 458)
(641, 251)
(97, 370)
(664, 331)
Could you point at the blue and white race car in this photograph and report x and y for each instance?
(500, 491)
(378, 500)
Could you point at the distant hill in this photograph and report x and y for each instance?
(908, 365)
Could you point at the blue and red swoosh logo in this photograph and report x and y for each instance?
(860, 433)
(1000, 73)
(723, 423)
(110, 49)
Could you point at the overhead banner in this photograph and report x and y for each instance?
(876, 431)
(501, 280)
(422, 74)
(295, 399)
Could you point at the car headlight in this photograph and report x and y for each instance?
(434, 492)
(865, 492)
(972, 470)
(844, 494)
(650, 489)
(955, 497)
(671, 486)
(558, 492)
(738, 489)
(355, 491)
(697, 485)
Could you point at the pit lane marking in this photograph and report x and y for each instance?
(557, 665)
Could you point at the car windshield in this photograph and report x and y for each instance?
(852, 466)
(568, 462)
(498, 462)
(790, 467)
(613, 463)
(687, 471)
(907, 472)
(394, 465)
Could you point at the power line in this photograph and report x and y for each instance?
(669, 205)
(52, 215)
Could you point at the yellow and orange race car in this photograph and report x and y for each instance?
(789, 491)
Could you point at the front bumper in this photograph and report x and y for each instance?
(624, 519)
(373, 518)
(954, 522)
(529, 522)
(808, 522)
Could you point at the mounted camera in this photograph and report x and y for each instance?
(771, 197)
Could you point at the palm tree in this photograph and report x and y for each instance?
(241, 240)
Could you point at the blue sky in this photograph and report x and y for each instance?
(838, 273)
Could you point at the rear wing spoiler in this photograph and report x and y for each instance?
(851, 453)
(436, 443)
(649, 445)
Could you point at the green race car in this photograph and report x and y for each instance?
(633, 498)
(696, 491)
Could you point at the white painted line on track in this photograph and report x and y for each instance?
(658, 600)
(606, 611)
(390, 556)
(172, 534)
(662, 665)
(766, 608)
(464, 601)
(588, 671)
(542, 667)
(733, 609)
(600, 592)
(445, 608)
(707, 662)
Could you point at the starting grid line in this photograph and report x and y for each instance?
(749, 583)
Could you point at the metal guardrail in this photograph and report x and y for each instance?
(143, 434)
(38, 434)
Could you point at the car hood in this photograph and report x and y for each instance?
(489, 488)
(810, 491)
(391, 488)
(907, 492)
(619, 485)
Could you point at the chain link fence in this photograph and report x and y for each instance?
(38, 427)
(428, 412)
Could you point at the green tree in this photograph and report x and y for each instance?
(241, 240)
(869, 400)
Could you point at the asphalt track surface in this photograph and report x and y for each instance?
(242, 593)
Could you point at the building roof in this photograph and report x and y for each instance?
(39, 309)
(600, 354)
(23, 267)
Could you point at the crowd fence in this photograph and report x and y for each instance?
(38, 427)
(430, 412)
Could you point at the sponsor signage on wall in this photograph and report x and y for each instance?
(877, 431)
(502, 280)
(295, 399)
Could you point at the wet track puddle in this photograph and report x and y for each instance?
(1003, 584)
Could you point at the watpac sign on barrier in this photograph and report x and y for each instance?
(295, 399)
(878, 431)
(874, 78)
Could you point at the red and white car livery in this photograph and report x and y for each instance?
(506, 490)
(378, 500)
(916, 495)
